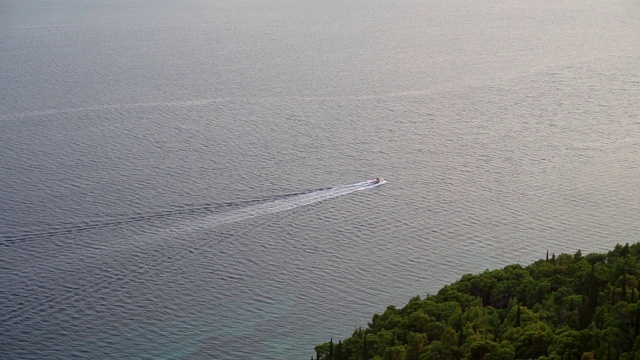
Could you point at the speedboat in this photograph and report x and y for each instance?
(378, 180)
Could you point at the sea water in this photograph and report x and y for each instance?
(188, 179)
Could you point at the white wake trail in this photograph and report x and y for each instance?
(271, 207)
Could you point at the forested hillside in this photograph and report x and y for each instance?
(564, 307)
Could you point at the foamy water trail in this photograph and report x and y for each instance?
(250, 210)
(272, 207)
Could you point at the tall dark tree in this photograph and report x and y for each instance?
(637, 327)
(364, 346)
(331, 349)
(460, 337)
(593, 291)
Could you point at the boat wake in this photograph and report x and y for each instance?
(205, 219)
(275, 206)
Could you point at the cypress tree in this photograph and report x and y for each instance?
(584, 312)
(364, 346)
(461, 336)
(331, 349)
(637, 328)
(339, 350)
(594, 291)
(460, 343)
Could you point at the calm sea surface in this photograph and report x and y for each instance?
(187, 179)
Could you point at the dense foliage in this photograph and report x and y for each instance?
(565, 307)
